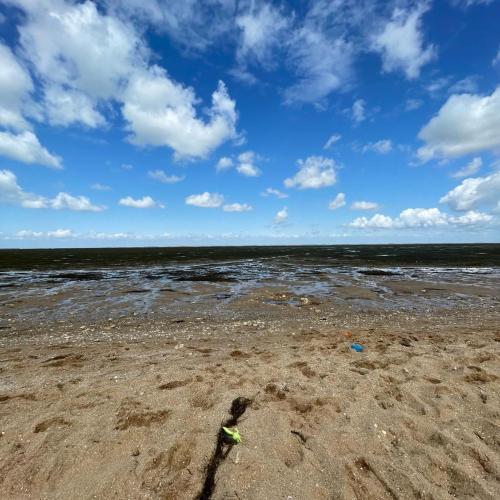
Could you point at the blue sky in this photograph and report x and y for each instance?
(248, 122)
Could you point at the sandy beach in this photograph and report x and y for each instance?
(131, 406)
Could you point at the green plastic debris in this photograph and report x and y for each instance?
(234, 435)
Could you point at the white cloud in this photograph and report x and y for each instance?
(205, 200)
(320, 53)
(261, 31)
(473, 192)
(237, 207)
(420, 218)
(78, 203)
(161, 176)
(61, 233)
(358, 111)
(65, 107)
(100, 187)
(470, 169)
(224, 163)
(28, 234)
(15, 86)
(364, 205)
(274, 192)
(13, 194)
(144, 202)
(86, 60)
(465, 124)
(93, 235)
(337, 202)
(193, 24)
(378, 221)
(472, 217)
(162, 113)
(77, 47)
(322, 66)
(26, 148)
(332, 140)
(314, 172)
(281, 216)
(382, 147)
(246, 164)
(401, 43)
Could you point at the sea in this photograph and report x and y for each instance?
(135, 280)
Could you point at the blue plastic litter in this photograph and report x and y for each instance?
(357, 347)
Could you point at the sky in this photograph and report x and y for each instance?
(233, 122)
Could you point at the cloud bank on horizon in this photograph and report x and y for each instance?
(123, 122)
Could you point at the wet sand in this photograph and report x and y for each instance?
(130, 406)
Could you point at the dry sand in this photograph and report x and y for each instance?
(133, 410)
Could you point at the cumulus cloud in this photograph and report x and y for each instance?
(474, 192)
(401, 42)
(11, 193)
(378, 221)
(161, 176)
(382, 147)
(364, 205)
(65, 107)
(65, 201)
(470, 169)
(15, 87)
(420, 218)
(281, 216)
(60, 233)
(332, 140)
(314, 172)
(237, 207)
(337, 202)
(274, 192)
(246, 164)
(224, 163)
(25, 147)
(467, 123)
(144, 202)
(162, 113)
(205, 200)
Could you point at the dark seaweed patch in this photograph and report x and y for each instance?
(378, 272)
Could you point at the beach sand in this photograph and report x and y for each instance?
(132, 408)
